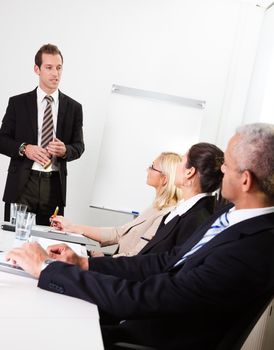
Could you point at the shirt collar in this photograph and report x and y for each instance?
(235, 216)
(41, 95)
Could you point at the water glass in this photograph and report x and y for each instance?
(14, 207)
(24, 223)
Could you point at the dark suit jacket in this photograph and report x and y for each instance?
(180, 228)
(20, 125)
(188, 307)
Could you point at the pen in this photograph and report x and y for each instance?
(55, 212)
(54, 215)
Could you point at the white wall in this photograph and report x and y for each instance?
(202, 49)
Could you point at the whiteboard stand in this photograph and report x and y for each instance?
(189, 102)
(133, 212)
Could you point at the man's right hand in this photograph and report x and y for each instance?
(37, 154)
(29, 256)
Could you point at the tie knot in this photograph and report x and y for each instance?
(49, 98)
(223, 219)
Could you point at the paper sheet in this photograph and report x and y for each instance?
(45, 242)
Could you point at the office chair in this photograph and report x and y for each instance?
(239, 332)
(233, 339)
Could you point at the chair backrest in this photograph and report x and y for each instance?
(235, 336)
(238, 333)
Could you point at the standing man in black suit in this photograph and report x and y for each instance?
(41, 131)
(190, 297)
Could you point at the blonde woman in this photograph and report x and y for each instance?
(133, 236)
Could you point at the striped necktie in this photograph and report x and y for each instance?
(47, 127)
(218, 226)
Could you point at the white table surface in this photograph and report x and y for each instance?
(31, 318)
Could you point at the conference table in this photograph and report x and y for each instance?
(32, 318)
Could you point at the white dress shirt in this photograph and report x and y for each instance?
(41, 106)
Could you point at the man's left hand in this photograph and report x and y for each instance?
(57, 148)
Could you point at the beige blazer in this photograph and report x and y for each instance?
(129, 235)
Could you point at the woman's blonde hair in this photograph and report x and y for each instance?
(169, 194)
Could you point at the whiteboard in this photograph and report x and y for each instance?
(139, 126)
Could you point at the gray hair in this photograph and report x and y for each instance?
(255, 152)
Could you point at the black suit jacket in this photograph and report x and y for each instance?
(180, 228)
(188, 307)
(20, 125)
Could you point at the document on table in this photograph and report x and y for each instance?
(45, 242)
(53, 230)
(51, 233)
(64, 233)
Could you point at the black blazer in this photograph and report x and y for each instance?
(180, 228)
(188, 307)
(20, 125)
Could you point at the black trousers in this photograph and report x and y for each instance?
(42, 194)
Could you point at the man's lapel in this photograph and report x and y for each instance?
(61, 115)
(32, 113)
(233, 233)
(197, 235)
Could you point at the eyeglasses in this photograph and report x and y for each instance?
(151, 167)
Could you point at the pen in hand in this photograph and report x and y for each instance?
(54, 215)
